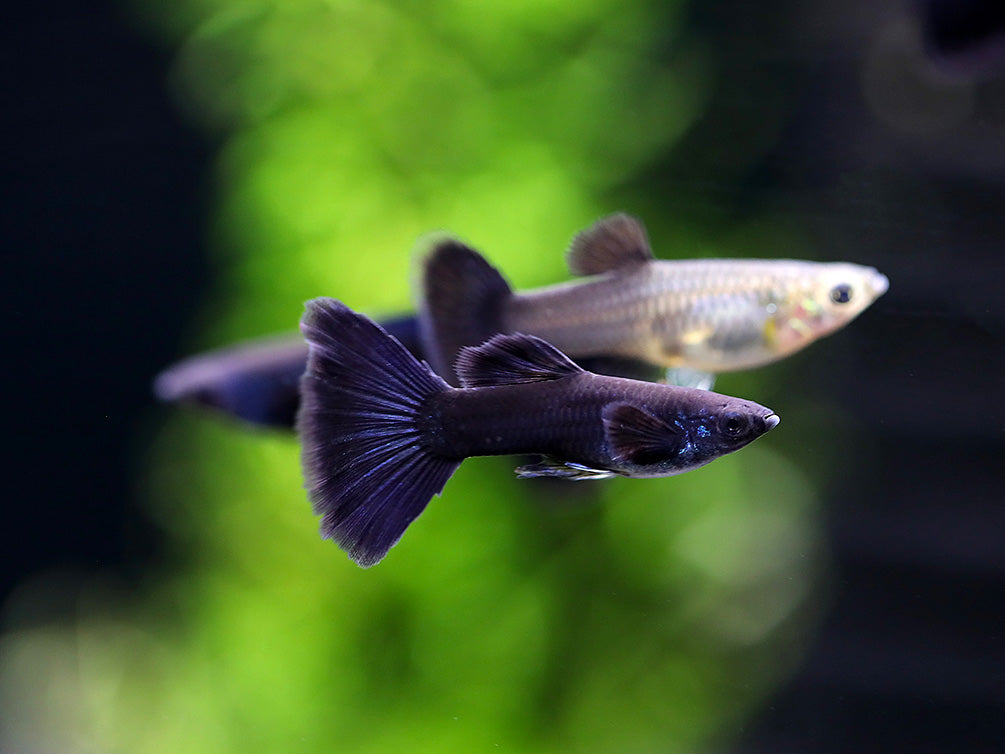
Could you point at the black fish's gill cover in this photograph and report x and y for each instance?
(512, 359)
(461, 305)
(367, 471)
(611, 243)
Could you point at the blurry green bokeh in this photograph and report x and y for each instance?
(624, 616)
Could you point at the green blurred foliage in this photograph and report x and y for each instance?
(622, 616)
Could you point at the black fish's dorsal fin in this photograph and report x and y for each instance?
(512, 359)
(462, 298)
(635, 436)
(609, 244)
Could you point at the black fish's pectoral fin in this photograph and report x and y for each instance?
(461, 302)
(636, 436)
(609, 244)
(513, 359)
(686, 377)
(556, 469)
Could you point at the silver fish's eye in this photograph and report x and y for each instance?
(734, 424)
(841, 293)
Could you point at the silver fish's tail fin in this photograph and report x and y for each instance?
(462, 303)
(367, 467)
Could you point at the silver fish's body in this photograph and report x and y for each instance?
(712, 315)
(715, 315)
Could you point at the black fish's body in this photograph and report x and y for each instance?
(573, 417)
(382, 433)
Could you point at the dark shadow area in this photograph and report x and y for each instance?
(103, 263)
(910, 656)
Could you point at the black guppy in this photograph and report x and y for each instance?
(382, 433)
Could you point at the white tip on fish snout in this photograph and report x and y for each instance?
(771, 421)
(879, 283)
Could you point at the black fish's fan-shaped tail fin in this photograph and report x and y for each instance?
(367, 468)
(461, 305)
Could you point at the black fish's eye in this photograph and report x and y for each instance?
(841, 293)
(733, 424)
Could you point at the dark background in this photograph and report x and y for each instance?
(103, 264)
(103, 224)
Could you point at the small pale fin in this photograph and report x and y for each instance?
(685, 377)
(512, 359)
(637, 436)
(610, 243)
(555, 469)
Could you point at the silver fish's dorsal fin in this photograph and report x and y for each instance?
(512, 359)
(636, 436)
(556, 469)
(609, 244)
